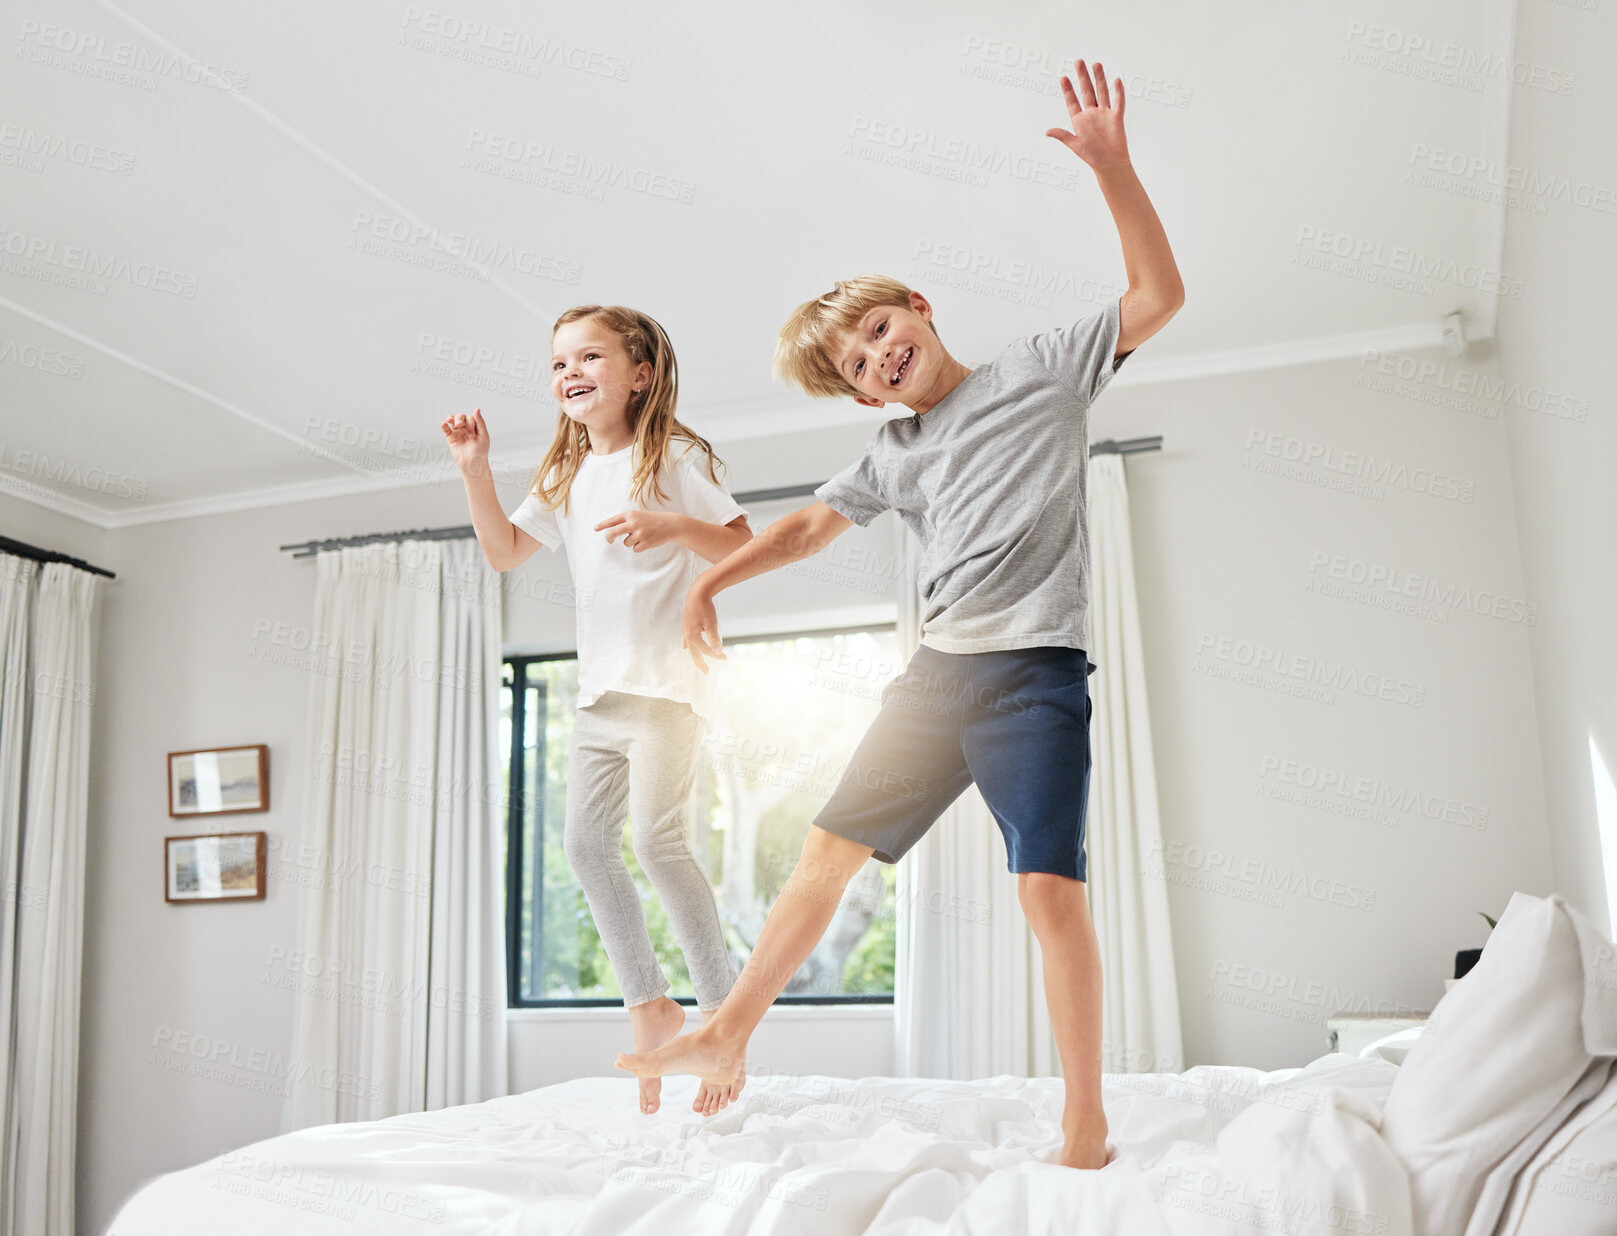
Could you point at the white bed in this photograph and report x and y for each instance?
(806, 1155)
(1217, 1149)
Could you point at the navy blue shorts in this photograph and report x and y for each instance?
(1016, 722)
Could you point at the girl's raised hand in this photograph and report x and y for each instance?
(1096, 135)
(468, 441)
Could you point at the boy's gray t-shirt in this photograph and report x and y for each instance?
(991, 481)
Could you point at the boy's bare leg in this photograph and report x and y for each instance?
(796, 922)
(710, 1096)
(1057, 909)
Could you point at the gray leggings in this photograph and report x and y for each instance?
(636, 755)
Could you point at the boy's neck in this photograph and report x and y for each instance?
(953, 373)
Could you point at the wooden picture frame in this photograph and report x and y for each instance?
(215, 867)
(218, 781)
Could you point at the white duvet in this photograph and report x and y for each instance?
(1213, 1150)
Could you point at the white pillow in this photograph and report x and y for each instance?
(1505, 1056)
(1393, 1047)
(1570, 1187)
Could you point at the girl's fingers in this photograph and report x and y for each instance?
(1100, 86)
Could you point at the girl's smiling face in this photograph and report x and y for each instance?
(591, 374)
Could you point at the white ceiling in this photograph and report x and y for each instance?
(295, 349)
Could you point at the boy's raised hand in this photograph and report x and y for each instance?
(1097, 134)
(699, 622)
(468, 441)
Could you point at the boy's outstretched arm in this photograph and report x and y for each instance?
(1155, 290)
(802, 534)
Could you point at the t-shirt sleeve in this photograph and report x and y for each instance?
(700, 496)
(1080, 355)
(534, 518)
(855, 492)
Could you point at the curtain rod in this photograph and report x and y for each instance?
(1128, 446)
(23, 550)
(308, 549)
(1111, 446)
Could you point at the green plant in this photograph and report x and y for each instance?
(1492, 923)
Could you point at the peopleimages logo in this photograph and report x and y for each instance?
(1323, 246)
(45, 42)
(1304, 669)
(40, 145)
(925, 151)
(1377, 577)
(1520, 183)
(442, 31)
(1464, 383)
(1325, 783)
(1360, 467)
(1420, 55)
(1219, 871)
(403, 239)
(533, 160)
(91, 268)
(977, 264)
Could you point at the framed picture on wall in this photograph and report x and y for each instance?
(218, 780)
(214, 867)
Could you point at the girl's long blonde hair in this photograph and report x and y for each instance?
(651, 412)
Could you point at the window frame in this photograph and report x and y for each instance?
(516, 802)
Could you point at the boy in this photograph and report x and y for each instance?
(989, 472)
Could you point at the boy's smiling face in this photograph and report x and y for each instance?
(892, 355)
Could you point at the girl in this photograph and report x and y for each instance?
(634, 497)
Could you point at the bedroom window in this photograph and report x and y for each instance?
(795, 707)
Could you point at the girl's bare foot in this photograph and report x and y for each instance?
(712, 1096)
(706, 1053)
(654, 1023)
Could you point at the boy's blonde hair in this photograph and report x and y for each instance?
(805, 349)
(651, 412)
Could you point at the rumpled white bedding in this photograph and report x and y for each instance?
(1216, 1149)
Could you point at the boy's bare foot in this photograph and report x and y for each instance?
(1084, 1146)
(654, 1023)
(711, 1096)
(705, 1053)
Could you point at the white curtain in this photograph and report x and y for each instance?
(47, 625)
(466, 1027)
(970, 993)
(1140, 1007)
(403, 731)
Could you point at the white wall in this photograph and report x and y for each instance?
(1233, 559)
(1555, 343)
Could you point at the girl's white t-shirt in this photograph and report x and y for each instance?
(629, 605)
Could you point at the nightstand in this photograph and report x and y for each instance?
(1352, 1032)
